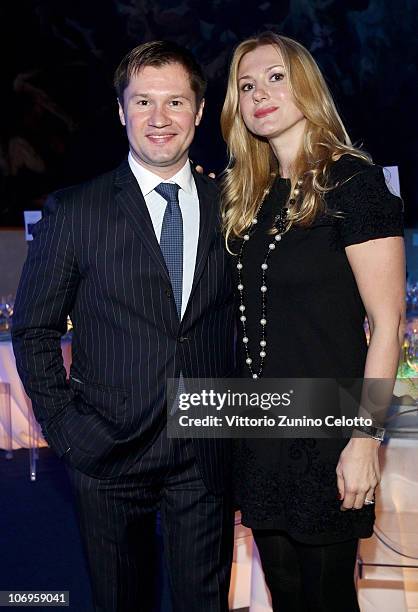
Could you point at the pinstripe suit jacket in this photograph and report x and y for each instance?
(95, 256)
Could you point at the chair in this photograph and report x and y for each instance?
(33, 436)
(387, 564)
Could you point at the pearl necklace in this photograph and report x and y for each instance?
(280, 222)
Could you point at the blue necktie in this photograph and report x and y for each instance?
(171, 241)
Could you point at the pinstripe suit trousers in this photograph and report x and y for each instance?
(117, 520)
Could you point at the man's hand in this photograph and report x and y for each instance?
(358, 472)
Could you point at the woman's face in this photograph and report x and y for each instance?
(266, 104)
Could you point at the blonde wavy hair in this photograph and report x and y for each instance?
(252, 165)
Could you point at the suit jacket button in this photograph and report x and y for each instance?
(183, 339)
(168, 293)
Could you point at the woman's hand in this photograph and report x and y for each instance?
(358, 472)
(200, 170)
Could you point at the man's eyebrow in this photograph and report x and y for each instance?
(147, 95)
(246, 76)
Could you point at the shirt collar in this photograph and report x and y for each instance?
(148, 181)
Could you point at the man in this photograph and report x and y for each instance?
(136, 258)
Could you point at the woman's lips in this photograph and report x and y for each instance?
(262, 112)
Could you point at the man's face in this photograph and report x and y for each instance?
(160, 114)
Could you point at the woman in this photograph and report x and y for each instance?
(296, 182)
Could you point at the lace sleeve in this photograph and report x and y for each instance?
(368, 209)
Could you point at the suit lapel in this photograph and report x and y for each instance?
(131, 201)
(209, 220)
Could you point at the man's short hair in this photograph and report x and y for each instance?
(159, 53)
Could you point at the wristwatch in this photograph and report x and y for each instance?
(378, 433)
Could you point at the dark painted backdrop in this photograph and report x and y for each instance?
(59, 123)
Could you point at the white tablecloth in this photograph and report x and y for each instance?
(20, 403)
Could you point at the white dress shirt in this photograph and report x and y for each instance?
(189, 206)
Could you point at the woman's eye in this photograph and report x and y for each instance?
(247, 87)
(277, 76)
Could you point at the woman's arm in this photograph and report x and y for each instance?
(379, 269)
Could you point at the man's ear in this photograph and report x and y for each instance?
(199, 113)
(121, 113)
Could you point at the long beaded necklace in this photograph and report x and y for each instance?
(280, 222)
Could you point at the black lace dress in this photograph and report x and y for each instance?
(315, 329)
